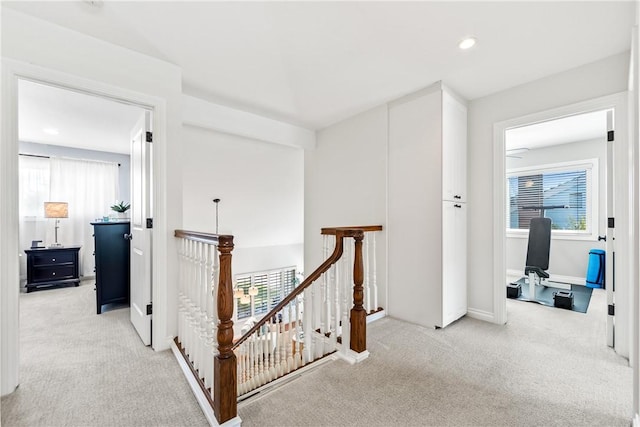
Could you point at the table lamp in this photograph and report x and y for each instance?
(56, 210)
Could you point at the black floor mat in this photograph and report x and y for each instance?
(544, 295)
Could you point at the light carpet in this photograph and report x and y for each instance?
(82, 369)
(546, 367)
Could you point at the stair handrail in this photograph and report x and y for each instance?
(340, 233)
(199, 236)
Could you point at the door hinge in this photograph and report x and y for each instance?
(612, 310)
(610, 136)
(149, 222)
(611, 223)
(149, 137)
(149, 309)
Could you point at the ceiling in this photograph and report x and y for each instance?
(80, 120)
(581, 127)
(316, 63)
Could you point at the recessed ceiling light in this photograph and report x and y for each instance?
(467, 43)
(51, 131)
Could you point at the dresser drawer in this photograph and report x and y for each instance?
(48, 258)
(56, 272)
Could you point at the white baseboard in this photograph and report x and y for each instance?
(352, 357)
(207, 410)
(635, 422)
(486, 316)
(376, 316)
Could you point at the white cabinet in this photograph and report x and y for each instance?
(454, 149)
(454, 261)
(427, 208)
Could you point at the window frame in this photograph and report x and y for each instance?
(241, 277)
(592, 197)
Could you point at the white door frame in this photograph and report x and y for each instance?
(12, 71)
(623, 169)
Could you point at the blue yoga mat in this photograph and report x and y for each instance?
(544, 295)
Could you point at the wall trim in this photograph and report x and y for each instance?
(486, 316)
(207, 115)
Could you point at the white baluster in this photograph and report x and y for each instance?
(297, 331)
(306, 325)
(272, 353)
(367, 281)
(374, 273)
(290, 362)
(284, 367)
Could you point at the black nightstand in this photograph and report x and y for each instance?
(47, 267)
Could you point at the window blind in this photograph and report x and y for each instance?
(561, 196)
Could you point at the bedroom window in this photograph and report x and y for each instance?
(272, 287)
(566, 193)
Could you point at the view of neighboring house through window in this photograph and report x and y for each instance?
(272, 286)
(563, 193)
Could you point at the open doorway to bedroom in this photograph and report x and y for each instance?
(557, 203)
(75, 188)
(74, 150)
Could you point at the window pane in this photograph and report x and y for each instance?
(275, 288)
(244, 282)
(561, 196)
(261, 300)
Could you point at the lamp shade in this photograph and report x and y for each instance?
(56, 210)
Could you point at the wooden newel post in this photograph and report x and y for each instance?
(358, 313)
(225, 395)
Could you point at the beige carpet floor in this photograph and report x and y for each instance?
(546, 367)
(82, 369)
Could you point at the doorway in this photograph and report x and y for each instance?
(510, 243)
(84, 151)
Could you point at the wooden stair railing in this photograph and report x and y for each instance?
(198, 251)
(284, 340)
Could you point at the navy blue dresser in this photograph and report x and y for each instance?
(112, 262)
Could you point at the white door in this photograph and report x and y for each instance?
(141, 227)
(610, 257)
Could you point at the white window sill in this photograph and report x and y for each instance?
(524, 234)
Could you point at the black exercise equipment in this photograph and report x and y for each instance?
(537, 262)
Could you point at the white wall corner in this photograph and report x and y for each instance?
(204, 114)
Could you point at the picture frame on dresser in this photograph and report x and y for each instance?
(112, 262)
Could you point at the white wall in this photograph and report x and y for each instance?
(36, 48)
(597, 79)
(261, 187)
(567, 257)
(345, 184)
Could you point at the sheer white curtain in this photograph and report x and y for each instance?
(90, 188)
(34, 191)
